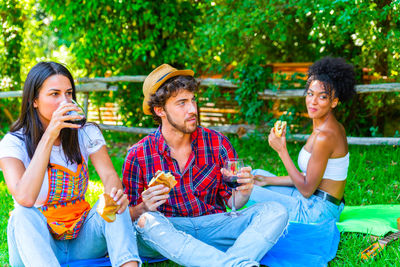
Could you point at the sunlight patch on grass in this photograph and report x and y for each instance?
(94, 190)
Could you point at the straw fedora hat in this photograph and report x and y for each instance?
(156, 78)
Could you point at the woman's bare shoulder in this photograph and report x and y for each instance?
(334, 139)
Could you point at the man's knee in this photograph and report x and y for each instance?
(274, 210)
(279, 211)
(150, 220)
(278, 208)
(142, 221)
(155, 229)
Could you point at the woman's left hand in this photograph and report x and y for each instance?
(119, 197)
(277, 143)
(246, 181)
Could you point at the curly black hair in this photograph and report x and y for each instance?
(336, 75)
(169, 88)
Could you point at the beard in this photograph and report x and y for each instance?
(183, 128)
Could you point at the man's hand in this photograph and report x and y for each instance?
(246, 181)
(154, 196)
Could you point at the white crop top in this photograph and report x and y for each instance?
(336, 169)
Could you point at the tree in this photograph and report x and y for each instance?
(247, 34)
(125, 37)
(12, 21)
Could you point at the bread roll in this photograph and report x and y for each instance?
(279, 127)
(107, 207)
(166, 179)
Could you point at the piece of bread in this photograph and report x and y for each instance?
(163, 178)
(279, 127)
(107, 207)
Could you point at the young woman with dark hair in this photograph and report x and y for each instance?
(44, 161)
(315, 193)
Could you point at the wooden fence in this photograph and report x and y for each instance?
(102, 84)
(247, 130)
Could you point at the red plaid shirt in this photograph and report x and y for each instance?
(200, 190)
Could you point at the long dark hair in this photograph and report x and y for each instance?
(28, 119)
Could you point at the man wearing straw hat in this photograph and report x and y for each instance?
(189, 225)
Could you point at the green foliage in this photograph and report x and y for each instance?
(123, 36)
(12, 17)
(235, 38)
(25, 39)
(238, 32)
(6, 207)
(245, 33)
(126, 38)
(12, 23)
(253, 77)
(365, 31)
(374, 114)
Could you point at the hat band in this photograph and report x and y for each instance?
(162, 77)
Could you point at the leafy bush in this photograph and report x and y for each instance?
(125, 38)
(234, 38)
(247, 33)
(12, 17)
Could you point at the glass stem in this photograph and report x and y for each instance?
(233, 200)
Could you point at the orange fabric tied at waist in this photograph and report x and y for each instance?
(64, 221)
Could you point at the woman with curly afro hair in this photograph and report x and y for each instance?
(315, 193)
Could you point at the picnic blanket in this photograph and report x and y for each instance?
(305, 245)
(301, 245)
(312, 244)
(104, 262)
(372, 219)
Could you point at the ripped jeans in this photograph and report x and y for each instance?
(213, 240)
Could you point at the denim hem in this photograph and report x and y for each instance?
(126, 259)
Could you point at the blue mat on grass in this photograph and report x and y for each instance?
(105, 262)
(301, 245)
(305, 245)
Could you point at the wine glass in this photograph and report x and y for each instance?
(81, 122)
(230, 173)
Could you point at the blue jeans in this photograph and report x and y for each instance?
(31, 244)
(306, 210)
(213, 240)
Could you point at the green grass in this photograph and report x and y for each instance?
(373, 179)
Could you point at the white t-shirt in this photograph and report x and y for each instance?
(14, 147)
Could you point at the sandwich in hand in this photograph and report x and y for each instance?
(279, 127)
(166, 179)
(107, 207)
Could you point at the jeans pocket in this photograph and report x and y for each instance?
(324, 210)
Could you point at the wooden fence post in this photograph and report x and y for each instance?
(86, 104)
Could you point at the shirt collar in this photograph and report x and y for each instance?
(164, 148)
